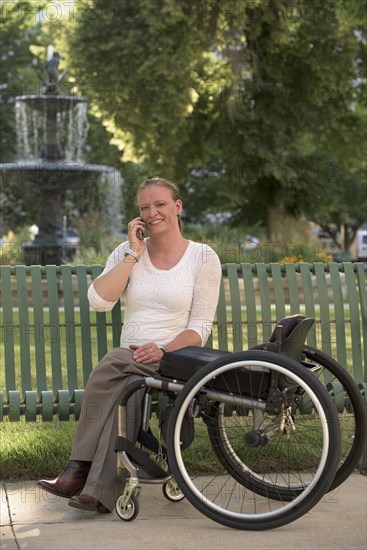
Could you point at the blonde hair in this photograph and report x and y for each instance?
(164, 183)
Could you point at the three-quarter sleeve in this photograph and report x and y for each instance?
(98, 303)
(95, 300)
(206, 293)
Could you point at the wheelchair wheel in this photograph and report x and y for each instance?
(349, 403)
(128, 512)
(266, 462)
(171, 491)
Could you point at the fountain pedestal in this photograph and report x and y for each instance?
(48, 245)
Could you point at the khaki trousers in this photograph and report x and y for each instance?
(96, 433)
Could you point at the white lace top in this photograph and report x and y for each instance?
(162, 303)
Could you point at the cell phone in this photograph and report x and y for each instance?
(140, 233)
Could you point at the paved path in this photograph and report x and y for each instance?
(34, 520)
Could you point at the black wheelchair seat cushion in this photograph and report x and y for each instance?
(183, 363)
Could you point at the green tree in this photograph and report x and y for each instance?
(299, 89)
(232, 99)
(139, 75)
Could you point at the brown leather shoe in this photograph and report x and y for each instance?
(71, 480)
(88, 503)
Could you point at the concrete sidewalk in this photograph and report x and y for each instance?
(35, 520)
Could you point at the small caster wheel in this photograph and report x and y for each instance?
(128, 512)
(172, 491)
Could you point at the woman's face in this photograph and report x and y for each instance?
(158, 209)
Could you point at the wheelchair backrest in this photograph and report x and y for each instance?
(289, 336)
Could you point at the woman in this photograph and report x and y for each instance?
(172, 288)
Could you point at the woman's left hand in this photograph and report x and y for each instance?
(147, 353)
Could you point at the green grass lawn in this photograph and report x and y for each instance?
(32, 450)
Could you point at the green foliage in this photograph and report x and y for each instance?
(222, 97)
(139, 73)
(252, 107)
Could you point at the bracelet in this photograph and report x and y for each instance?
(130, 252)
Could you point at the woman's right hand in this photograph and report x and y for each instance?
(113, 281)
(135, 227)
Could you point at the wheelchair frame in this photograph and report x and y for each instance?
(286, 405)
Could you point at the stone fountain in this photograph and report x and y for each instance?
(51, 132)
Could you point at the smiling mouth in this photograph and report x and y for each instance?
(155, 222)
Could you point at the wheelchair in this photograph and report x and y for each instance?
(252, 439)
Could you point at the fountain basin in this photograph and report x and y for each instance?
(57, 103)
(60, 175)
